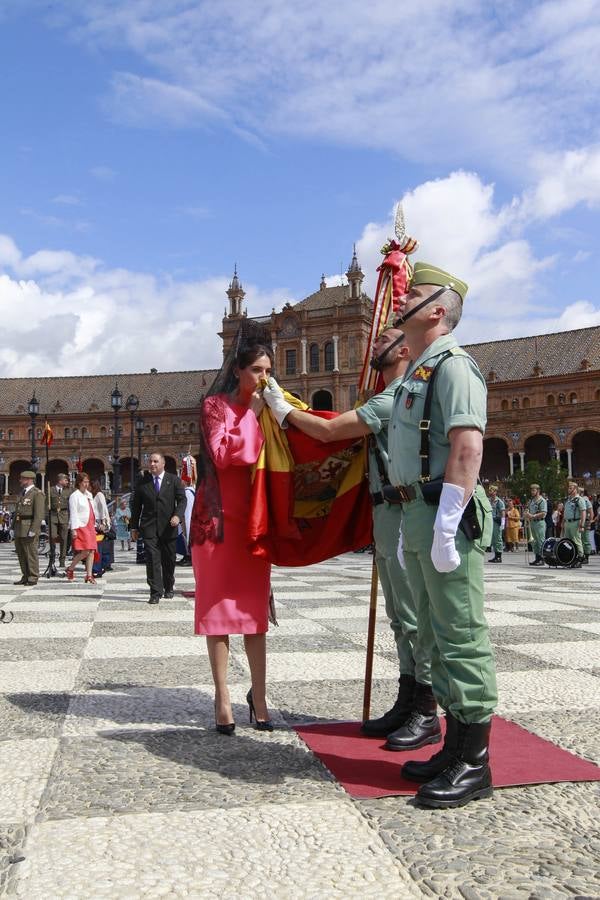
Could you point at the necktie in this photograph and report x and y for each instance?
(156, 483)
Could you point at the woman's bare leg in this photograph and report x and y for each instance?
(218, 654)
(256, 651)
(89, 562)
(77, 558)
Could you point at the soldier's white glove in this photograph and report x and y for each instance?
(444, 555)
(400, 550)
(273, 397)
(31, 534)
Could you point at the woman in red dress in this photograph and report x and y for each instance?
(83, 527)
(232, 586)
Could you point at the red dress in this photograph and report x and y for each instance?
(85, 537)
(232, 587)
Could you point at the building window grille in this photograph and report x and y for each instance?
(329, 360)
(290, 362)
(313, 355)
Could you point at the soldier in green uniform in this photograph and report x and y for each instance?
(58, 505)
(498, 513)
(29, 513)
(535, 516)
(585, 534)
(390, 357)
(435, 449)
(574, 520)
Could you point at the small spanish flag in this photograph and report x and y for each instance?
(47, 435)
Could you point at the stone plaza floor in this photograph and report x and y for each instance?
(113, 782)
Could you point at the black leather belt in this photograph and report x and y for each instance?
(377, 498)
(406, 492)
(573, 520)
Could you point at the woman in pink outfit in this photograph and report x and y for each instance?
(83, 527)
(232, 587)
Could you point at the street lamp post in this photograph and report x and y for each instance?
(139, 427)
(116, 401)
(132, 404)
(33, 408)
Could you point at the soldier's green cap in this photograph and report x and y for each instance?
(425, 273)
(27, 474)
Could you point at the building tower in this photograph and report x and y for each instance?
(355, 277)
(236, 295)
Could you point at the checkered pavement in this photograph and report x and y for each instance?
(106, 724)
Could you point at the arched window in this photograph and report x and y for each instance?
(175, 429)
(573, 397)
(68, 434)
(1, 434)
(313, 358)
(505, 404)
(84, 432)
(38, 433)
(515, 403)
(184, 428)
(597, 395)
(102, 431)
(525, 402)
(328, 353)
(156, 430)
(192, 428)
(11, 434)
(550, 399)
(76, 432)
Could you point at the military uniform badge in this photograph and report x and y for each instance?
(423, 373)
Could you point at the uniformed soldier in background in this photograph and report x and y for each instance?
(535, 517)
(435, 452)
(498, 511)
(586, 534)
(59, 515)
(29, 514)
(574, 520)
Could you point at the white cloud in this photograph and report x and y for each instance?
(103, 173)
(444, 81)
(66, 314)
(67, 200)
(564, 180)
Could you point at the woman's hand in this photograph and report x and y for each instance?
(257, 403)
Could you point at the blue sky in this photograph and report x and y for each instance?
(148, 146)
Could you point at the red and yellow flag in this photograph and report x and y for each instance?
(47, 434)
(310, 501)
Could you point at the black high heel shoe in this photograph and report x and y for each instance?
(223, 729)
(261, 725)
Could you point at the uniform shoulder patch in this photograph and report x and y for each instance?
(422, 373)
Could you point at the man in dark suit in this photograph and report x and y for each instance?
(157, 508)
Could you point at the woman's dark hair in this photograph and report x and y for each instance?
(247, 355)
(80, 478)
(95, 486)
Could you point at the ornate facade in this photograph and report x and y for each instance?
(543, 394)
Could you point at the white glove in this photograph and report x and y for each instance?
(273, 397)
(400, 550)
(444, 555)
(31, 534)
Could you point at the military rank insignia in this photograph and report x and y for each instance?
(423, 373)
(409, 400)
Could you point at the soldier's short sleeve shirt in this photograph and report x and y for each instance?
(459, 401)
(375, 413)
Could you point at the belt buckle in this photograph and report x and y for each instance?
(424, 424)
(403, 493)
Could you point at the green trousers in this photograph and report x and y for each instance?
(573, 533)
(450, 613)
(538, 535)
(497, 543)
(27, 554)
(586, 540)
(414, 658)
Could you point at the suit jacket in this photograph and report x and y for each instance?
(151, 512)
(29, 513)
(59, 504)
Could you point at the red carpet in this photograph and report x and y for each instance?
(365, 769)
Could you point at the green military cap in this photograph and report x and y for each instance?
(535, 486)
(494, 488)
(27, 474)
(425, 273)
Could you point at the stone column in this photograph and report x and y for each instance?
(303, 341)
(336, 360)
(511, 463)
(522, 458)
(570, 461)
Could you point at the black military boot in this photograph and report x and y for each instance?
(415, 770)
(467, 776)
(586, 559)
(397, 715)
(578, 563)
(497, 558)
(422, 726)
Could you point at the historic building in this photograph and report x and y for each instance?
(544, 395)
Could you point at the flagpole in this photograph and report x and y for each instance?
(50, 568)
(370, 643)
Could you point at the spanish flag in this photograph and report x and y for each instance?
(47, 434)
(310, 501)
